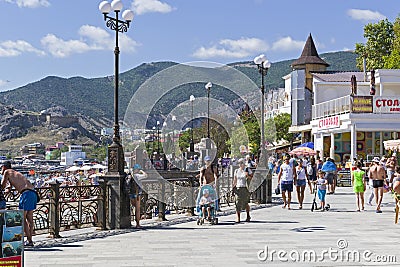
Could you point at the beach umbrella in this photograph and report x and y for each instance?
(73, 169)
(99, 166)
(307, 144)
(303, 151)
(85, 168)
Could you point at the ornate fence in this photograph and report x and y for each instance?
(61, 208)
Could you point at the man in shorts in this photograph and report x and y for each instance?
(286, 177)
(208, 173)
(391, 164)
(28, 199)
(377, 174)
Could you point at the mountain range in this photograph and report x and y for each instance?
(92, 100)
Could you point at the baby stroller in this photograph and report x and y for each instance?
(211, 205)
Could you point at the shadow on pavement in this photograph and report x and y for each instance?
(309, 229)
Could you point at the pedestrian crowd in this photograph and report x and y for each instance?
(379, 176)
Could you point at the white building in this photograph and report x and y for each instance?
(346, 126)
(74, 152)
(336, 110)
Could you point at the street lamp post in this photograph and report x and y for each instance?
(154, 141)
(263, 65)
(164, 127)
(173, 136)
(118, 211)
(208, 87)
(266, 188)
(191, 99)
(158, 138)
(116, 152)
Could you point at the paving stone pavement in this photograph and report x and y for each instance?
(339, 237)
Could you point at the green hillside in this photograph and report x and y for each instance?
(94, 97)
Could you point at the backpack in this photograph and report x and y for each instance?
(310, 169)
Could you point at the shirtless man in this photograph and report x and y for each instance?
(208, 173)
(391, 164)
(377, 174)
(28, 199)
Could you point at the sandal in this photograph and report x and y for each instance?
(248, 219)
(28, 244)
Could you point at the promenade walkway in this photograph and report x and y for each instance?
(349, 238)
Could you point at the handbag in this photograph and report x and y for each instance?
(277, 190)
(234, 190)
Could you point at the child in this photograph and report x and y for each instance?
(321, 182)
(204, 203)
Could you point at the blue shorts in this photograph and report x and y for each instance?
(3, 205)
(287, 186)
(28, 200)
(134, 196)
(301, 182)
(321, 194)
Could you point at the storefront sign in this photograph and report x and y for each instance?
(362, 104)
(386, 104)
(330, 122)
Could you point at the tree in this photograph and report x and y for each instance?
(217, 133)
(393, 60)
(282, 123)
(379, 37)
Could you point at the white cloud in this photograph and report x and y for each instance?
(147, 6)
(229, 48)
(30, 3)
(16, 48)
(287, 44)
(365, 15)
(3, 82)
(60, 48)
(92, 38)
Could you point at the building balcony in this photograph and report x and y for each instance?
(357, 104)
(332, 107)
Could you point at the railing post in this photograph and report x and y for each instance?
(54, 212)
(102, 206)
(192, 202)
(161, 203)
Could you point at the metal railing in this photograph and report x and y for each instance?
(65, 207)
(61, 208)
(332, 107)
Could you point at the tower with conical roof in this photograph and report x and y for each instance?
(309, 61)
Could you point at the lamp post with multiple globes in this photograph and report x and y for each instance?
(118, 213)
(208, 88)
(263, 66)
(191, 149)
(115, 150)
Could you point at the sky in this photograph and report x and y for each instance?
(69, 38)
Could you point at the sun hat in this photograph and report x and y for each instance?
(376, 159)
(207, 158)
